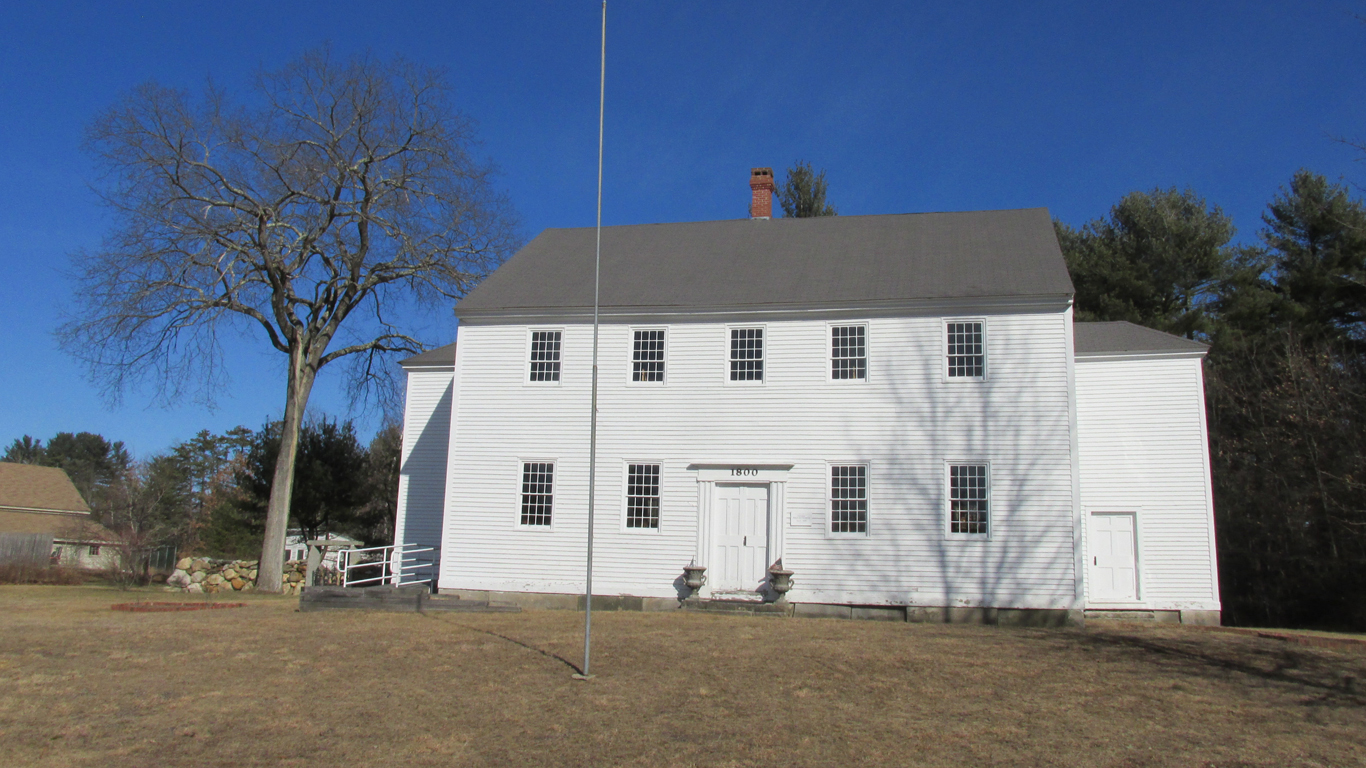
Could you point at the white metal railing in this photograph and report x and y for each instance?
(396, 565)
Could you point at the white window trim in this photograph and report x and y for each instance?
(725, 356)
(554, 495)
(625, 487)
(526, 358)
(631, 362)
(830, 354)
(944, 351)
(868, 497)
(946, 506)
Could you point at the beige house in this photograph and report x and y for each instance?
(43, 500)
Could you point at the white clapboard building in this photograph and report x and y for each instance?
(900, 410)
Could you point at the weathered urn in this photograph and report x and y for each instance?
(694, 576)
(779, 579)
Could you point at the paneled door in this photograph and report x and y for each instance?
(739, 553)
(1113, 570)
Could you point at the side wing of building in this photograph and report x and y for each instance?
(1145, 473)
(426, 436)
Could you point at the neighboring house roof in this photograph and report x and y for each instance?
(1125, 338)
(773, 264)
(433, 358)
(31, 487)
(62, 526)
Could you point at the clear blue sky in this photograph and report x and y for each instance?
(908, 106)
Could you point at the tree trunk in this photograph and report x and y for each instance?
(271, 568)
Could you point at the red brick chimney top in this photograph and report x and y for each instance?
(761, 188)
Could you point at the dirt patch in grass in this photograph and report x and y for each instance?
(264, 685)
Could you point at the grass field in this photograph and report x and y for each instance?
(263, 685)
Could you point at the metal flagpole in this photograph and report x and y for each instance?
(593, 418)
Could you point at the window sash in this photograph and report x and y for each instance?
(848, 352)
(747, 354)
(647, 356)
(849, 499)
(969, 499)
(538, 492)
(642, 496)
(545, 355)
(965, 349)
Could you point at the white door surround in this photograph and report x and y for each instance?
(723, 478)
(1112, 565)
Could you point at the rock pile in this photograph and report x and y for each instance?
(201, 574)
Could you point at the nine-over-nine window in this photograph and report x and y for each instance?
(848, 352)
(642, 496)
(747, 354)
(849, 499)
(965, 349)
(545, 355)
(968, 499)
(538, 496)
(647, 356)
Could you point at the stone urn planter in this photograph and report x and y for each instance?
(694, 576)
(779, 580)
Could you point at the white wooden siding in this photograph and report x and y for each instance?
(904, 422)
(422, 473)
(1141, 424)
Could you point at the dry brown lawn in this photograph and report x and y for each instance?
(265, 685)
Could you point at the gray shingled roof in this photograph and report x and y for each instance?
(1115, 338)
(829, 261)
(439, 356)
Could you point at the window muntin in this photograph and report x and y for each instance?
(968, 499)
(538, 496)
(965, 349)
(849, 499)
(545, 355)
(848, 352)
(747, 354)
(642, 496)
(647, 356)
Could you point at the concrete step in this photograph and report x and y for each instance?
(737, 607)
(411, 598)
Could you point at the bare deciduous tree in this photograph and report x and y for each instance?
(314, 211)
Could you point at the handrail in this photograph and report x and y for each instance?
(396, 563)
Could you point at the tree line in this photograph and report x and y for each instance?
(1285, 378)
(209, 495)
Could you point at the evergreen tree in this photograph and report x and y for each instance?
(1156, 260)
(802, 194)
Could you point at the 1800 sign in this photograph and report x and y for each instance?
(744, 472)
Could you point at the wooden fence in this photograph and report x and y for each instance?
(25, 549)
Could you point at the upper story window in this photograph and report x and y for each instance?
(545, 355)
(538, 492)
(848, 352)
(849, 499)
(642, 495)
(966, 349)
(747, 354)
(969, 499)
(647, 356)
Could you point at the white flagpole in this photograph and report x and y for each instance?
(593, 419)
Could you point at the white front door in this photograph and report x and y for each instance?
(1113, 570)
(739, 552)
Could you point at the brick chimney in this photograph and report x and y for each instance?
(762, 188)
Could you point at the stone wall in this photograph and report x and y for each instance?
(198, 575)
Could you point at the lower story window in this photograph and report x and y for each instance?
(642, 496)
(538, 482)
(94, 549)
(968, 499)
(849, 499)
